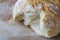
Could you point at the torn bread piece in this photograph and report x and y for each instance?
(43, 17)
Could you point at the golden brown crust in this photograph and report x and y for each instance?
(49, 17)
(34, 2)
(53, 1)
(53, 8)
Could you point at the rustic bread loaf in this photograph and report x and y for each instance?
(41, 15)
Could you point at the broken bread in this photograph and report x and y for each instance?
(42, 16)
